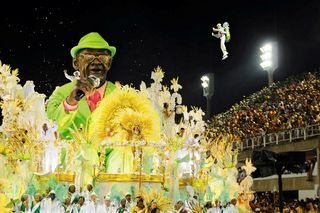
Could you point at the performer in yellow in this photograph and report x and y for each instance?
(140, 207)
(206, 167)
(73, 103)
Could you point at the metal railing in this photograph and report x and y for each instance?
(280, 137)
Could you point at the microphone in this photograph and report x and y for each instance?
(79, 95)
(94, 79)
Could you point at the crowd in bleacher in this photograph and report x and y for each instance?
(269, 202)
(294, 103)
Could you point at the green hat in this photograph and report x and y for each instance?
(92, 41)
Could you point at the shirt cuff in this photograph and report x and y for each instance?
(69, 107)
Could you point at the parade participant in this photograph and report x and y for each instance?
(51, 204)
(23, 206)
(154, 208)
(36, 204)
(106, 207)
(86, 194)
(216, 208)
(122, 208)
(72, 103)
(180, 208)
(208, 207)
(208, 162)
(232, 206)
(67, 205)
(92, 203)
(140, 207)
(73, 195)
(224, 34)
(82, 205)
(129, 202)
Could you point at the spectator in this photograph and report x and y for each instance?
(282, 106)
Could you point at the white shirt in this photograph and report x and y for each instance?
(86, 195)
(91, 206)
(85, 208)
(111, 209)
(101, 208)
(51, 206)
(129, 205)
(214, 210)
(73, 208)
(231, 209)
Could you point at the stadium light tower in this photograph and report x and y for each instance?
(208, 89)
(269, 57)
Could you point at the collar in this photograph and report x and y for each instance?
(101, 90)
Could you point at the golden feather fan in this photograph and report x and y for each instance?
(125, 115)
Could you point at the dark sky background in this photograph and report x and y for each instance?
(176, 35)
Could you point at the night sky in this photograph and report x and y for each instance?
(176, 36)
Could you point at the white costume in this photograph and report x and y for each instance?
(221, 33)
(73, 208)
(91, 206)
(102, 208)
(51, 206)
(214, 210)
(231, 209)
(83, 209)
(130, 205)
(86, 195)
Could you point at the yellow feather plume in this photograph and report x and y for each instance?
(125, 115)
(163, 202)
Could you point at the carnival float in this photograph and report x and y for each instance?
(142, 141)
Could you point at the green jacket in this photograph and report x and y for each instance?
(56, 112)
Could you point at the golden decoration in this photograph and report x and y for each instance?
(125, 115)
(105, 177)
(158, 197)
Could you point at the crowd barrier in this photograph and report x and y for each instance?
(275, 138)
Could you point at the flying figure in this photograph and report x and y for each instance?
(223, 33)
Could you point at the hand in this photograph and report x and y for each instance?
(82, 87)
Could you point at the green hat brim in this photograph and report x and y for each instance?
(77, 48)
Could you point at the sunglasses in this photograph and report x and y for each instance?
(89, 58)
